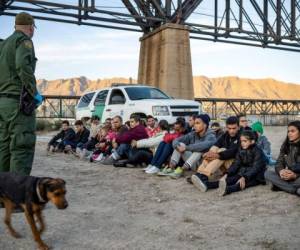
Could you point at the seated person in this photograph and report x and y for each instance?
(287, 170)
(108, 123)
(90, 144)
(57, 143)
(117, 127)
(216, 127)
(165, 149)
(191, 122)
(151, 128)
(221, 155)
(243, 122)
(247, 170)
(103, 146)
(94, 126)
(191, 146)
(122, 142)
(154, 140)
(142, 150)
(81, 137)
(263, 142)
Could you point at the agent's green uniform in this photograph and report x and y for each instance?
(17, 131)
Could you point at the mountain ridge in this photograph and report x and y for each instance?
(214, 87)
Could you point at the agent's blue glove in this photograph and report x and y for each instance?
(39, 99)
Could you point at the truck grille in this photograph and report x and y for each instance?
(184, 107)
(177, 113)
(184, 110)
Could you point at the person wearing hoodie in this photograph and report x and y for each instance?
(263, 142)
(191, 146)
(221, 155)
(122, 142)
(287, 170)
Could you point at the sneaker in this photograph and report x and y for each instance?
(165, 172)
(177, 173)
(222, 190)
(153, 170)
(99, 157)
(198, 183)
(108, 161)
(148, 167)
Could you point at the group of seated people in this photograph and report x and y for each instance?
(229, 160)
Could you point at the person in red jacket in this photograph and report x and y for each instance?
(165, 148)
(122, 143)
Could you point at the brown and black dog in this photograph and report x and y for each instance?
(31, 193)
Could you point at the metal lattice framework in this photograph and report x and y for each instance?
(262, 23)
(270, 112)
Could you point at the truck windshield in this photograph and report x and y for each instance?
(139, 93)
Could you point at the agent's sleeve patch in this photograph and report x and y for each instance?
(28, 44)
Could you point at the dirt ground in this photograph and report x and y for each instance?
(113, 208)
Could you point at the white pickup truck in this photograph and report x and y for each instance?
(127, 99)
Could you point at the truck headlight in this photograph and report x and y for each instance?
(160, 110)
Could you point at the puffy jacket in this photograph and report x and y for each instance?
(196, 143)
(249, 163)
(230, 143)
(137, 133)
(290, 159)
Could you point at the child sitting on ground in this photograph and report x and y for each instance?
(103, 147)
(247, 170)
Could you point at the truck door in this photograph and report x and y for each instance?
(99, 104)
(116, 103)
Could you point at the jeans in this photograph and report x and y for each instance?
(123, 151)
(287, 186)
(138, 156)
(163, 151)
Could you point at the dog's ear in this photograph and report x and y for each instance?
(53, 184)
(46, 183)
(59, 180)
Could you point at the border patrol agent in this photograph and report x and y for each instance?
(17, 128)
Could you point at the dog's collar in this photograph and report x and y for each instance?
(39, 193)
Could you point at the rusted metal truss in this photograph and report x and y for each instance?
(262, 23)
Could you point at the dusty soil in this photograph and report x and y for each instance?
(125, 209)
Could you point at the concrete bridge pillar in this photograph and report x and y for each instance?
(165, 61)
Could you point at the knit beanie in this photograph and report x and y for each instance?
(258, 127)
(205, 118)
